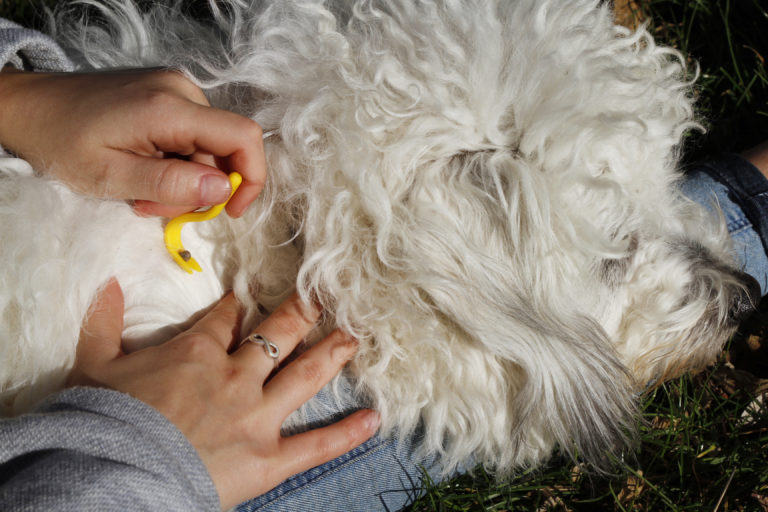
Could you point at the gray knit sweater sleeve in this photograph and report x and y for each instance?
(89, 449)
(30, 50)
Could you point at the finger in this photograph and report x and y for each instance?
(167, 181)
(201, 157)
(285, 327)
(241, 199)
(304, 377)
(223, 134)
(146, 208)
(100, 334)
(151, 209)
(220, 323)
(304, 451)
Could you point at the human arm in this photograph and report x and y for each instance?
(119, 134)
(98, 449)
(217, 398)
(101, 134)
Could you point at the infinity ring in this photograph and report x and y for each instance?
(270, 348)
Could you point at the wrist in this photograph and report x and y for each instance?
(11, 80)
(17, 105)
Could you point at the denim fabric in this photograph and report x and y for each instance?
(373, 476)
(381, 474)
(741, 192)
(386, 473)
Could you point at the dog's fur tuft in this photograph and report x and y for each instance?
(483, 192)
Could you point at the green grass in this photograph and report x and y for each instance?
(729, 41)
(704, 441)
(702, 446)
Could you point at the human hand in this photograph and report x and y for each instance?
(216, 393)
(106, 134)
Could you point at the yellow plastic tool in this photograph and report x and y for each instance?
(173, 229)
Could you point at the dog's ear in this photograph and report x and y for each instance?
(567, 386)
(576, 387)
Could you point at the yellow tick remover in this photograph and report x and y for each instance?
(173, 229)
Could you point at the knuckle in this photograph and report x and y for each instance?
(158, 100)
(343, 346)
(355, 432)
(168, 182)
(227, 315)
(343, 440)
(324, 448)
(288, 321)
(172, 77)
(251, 129)
(198, 347)
(311, 371)
(222, 322)
(178, 81)
(162, 181)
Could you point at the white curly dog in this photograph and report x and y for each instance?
(484, 192)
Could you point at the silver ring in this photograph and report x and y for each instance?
(270, 348)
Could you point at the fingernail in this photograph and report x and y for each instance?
(214, 189)
(138, 209)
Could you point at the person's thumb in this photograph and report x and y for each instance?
(100, 334)
(170, 181)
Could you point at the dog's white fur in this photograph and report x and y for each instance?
(483, 192)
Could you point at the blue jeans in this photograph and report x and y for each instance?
(741, 191)
(386, 473)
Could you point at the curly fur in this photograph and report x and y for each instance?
(483, 192)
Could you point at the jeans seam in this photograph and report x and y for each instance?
(738, 224)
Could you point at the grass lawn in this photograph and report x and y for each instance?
(705, 437)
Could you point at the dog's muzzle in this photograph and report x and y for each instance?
(745, 303)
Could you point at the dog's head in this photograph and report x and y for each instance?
(507, 283)
(499, 219)
(658, 280)
(672, 310)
